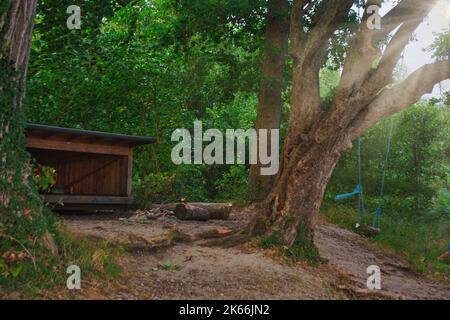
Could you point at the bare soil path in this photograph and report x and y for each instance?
(353, 253)
(164, 265)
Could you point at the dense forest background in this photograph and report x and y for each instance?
(147, 69)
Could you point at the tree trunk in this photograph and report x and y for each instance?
(293, 205)
(310, 153)
(21, 211)
(269, 104)
(16, 27)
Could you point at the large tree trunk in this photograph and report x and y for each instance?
(25, 226)
(16, 27)
(270, 101)
(307, 162)
(294, 203)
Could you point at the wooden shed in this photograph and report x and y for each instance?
(93, 169)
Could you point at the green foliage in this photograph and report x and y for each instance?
(440, 46)
(233, 185)
(44, 177)
(269, 241)
(419, 160)
(169, 266)
(147, 68)
(185, 182)
(329, 80)
(441, 202)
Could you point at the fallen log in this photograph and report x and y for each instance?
(216, 211)
(187, 212)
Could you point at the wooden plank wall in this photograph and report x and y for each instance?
(87, 173)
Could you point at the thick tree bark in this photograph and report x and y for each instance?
(307, 164)
(16, 27)
(270, 101)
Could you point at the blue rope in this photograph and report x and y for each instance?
(379, 210)
(361, 208)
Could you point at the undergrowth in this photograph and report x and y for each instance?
(420, 239)
(28, 267)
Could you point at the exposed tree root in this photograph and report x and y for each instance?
(230, 241)
(215, 233)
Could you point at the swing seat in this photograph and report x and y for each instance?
(368, 231)
(356, 192)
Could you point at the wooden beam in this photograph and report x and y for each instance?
(38, 143)
(130, 173)
(70, 199)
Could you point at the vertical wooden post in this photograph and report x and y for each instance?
(130, 173)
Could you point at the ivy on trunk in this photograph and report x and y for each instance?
(23, 220)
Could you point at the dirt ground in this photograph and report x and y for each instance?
(161, 264)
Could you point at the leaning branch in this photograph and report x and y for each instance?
(401, 96)
(398, 43)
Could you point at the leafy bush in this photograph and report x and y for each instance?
(233, 185)
(441, 202)
(185, 182)
(44, 177)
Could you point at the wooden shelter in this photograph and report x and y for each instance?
(93, 169)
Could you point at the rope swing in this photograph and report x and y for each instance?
(359, 191)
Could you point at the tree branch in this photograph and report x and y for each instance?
(296, 23)
(359, 68)
(401, 96)
(326, 20)
(402, 12)
(398, 43)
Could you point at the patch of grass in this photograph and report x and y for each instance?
(420, 239)
(96, 259)
(169, 266)
(270, 240)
